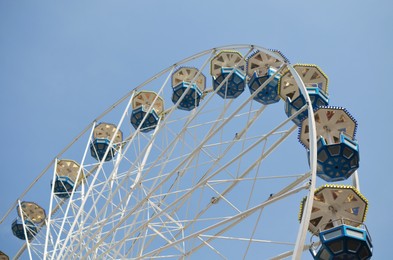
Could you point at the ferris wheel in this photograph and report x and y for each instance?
(204, 159)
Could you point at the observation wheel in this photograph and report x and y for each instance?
(200, 160)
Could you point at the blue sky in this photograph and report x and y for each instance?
(63, 62)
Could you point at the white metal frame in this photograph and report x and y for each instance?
(76, 215)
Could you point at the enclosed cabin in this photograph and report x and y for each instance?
(103, 134)
(316, 83)
(68, 175)
(263, 76)
(336, 222)
(30, 215)
(343, 242)
(228, 69)
(147, 108)
(188, 85)
(337, 149)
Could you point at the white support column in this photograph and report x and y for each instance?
(355, 180)
(302, 233)
(25, 229)
(48, 220)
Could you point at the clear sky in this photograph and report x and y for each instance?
(63, 62)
